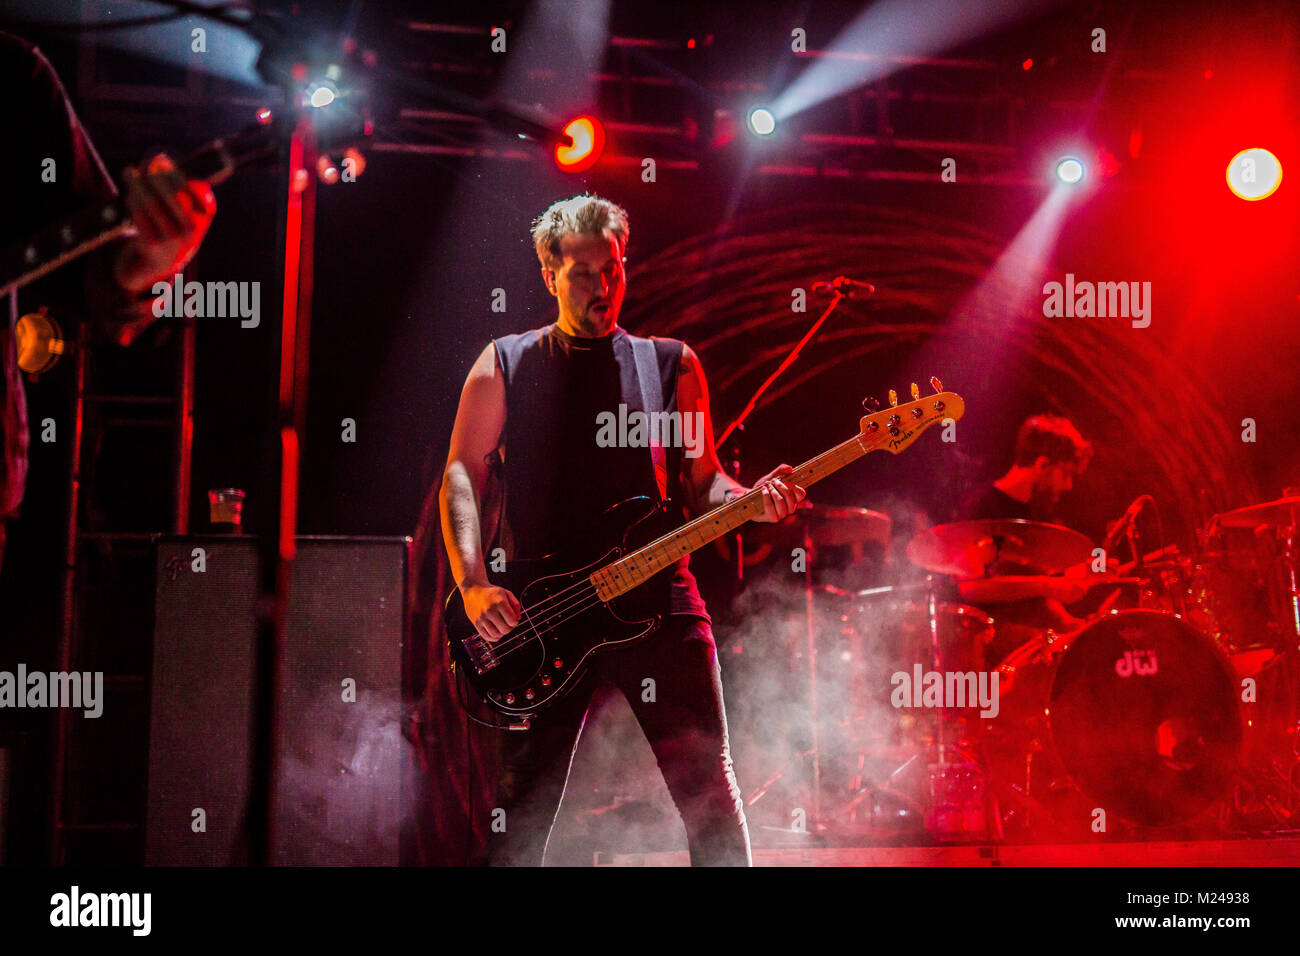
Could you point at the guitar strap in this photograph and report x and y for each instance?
(652, 402)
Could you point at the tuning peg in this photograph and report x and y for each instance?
(916, 392)
(936, 384)
(893, 397)
(871, 404)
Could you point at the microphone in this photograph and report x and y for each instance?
(844, 286)
(1125, 522)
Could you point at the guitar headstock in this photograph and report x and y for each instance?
(897, 426)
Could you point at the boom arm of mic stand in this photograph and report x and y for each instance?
(789, 360)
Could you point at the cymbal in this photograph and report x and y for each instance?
(888, 591)
(830, 525)
(967, 549)
(1017, 587)
(826, 526)
(1282, 512)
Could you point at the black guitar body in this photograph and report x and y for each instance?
(564, 624)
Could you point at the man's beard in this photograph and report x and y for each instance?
(593, 324)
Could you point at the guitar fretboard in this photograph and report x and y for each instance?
(61, 242)
(619, 577)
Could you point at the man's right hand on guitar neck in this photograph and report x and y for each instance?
(493, 611)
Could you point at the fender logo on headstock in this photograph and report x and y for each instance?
(895, 442)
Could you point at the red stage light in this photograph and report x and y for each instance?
(326, 170)
(1254, 174)
(588, 137)
(1027, 65)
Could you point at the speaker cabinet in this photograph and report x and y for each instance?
(338, 784)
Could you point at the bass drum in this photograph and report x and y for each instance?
(1136, 711)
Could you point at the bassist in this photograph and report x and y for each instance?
(532, 401)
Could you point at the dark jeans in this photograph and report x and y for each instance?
(687, 730)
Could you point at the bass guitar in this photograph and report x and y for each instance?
(577, 607)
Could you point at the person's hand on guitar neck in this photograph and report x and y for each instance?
(780, 498)
(171, 215)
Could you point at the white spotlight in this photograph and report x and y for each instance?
(320, 95)
(1069, 170)
(762, 122)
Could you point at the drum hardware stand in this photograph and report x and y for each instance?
(1289, 564)
(814, 716)
(1280, 775)
(1135, 543)
(761, 791)
(951, 750)
(946, 752)
(850, 809)
(865, 792)
(1264, 786)
(813, 711)
(938, 748)
(1016, 795)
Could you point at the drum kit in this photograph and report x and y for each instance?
(1173, 706)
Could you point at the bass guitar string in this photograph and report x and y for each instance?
(535, 631)
(571, 608)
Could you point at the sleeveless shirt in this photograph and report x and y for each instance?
(558, 477)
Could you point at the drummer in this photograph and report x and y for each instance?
(1050, 453)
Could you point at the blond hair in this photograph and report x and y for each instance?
(586, 214)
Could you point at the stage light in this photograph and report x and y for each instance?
(1069, 170)
(762, 122)
(326, 170)
(1254, 174)
(320, 95)
(354, 161)
(588, 137)
(38, 342)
